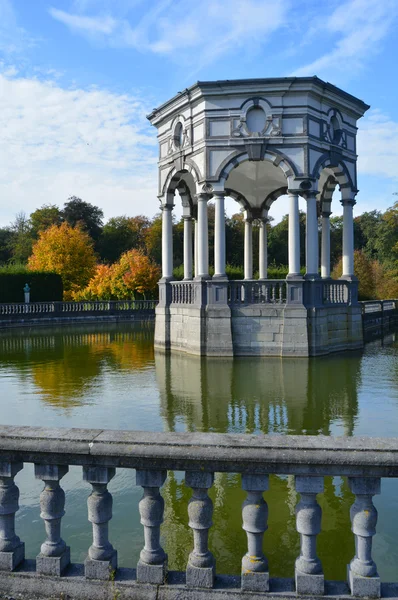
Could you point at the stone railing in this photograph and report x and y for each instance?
(49, 310)
(378, 306)
(269, 291)
(363, 460)
(336, 292)
(182, 292)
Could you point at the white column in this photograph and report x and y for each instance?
(263, 249)
(195, 242)
(311, 237)
(294, 235)
(219, 235)
(187, 247)
(203, 236)
(167, 241)
(348, 238)
(248, 248)
(325, 248)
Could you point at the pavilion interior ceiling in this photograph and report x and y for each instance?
(256, 180)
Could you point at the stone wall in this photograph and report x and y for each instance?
(259, 330)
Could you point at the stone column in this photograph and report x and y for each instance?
(152, 566)
(12, 550)
(248, 247)
(167, 241)
(54, 556)
(187, 247)
(348, 238)
(294, 235)
(263, 249)
(203, 237)
(196, 247)
(102, 557)
(201, 564)
(363, 578)
(308, 568)
(325, 248)
(219, 236)
(311, 237)
(255, 575)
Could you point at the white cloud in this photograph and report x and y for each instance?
(360, 25)
(59, 142)
(174, 27)
(378, 145)
(92, 25)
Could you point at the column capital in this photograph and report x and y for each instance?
(167, 207)
(348, 202)
(309, 194)
(219, 193)
(326, 213)
(293, 192)
(203, 197)
(187, 217)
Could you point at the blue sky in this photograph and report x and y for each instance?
(77, 78)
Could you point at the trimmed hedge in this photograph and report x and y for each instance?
(44, 287)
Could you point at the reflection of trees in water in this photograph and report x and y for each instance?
(281, 541)
(67, 364)
(259, 395)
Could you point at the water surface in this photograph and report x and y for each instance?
(108, 376)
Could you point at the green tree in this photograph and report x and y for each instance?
(88, 216)
(21, 240)
(42, 218)
(5, 242)
(120, 234)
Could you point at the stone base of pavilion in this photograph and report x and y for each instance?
(295, 317)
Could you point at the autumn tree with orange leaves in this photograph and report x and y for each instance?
(67, 251)
(134, 273)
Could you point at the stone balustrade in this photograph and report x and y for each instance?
(100, 452)
(267, 291)
(18, 312)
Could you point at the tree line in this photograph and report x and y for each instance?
(108, 247)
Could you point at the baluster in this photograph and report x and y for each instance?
(308, 569)
(273, 293)
(255, 575)
(54, 554)
(102, 557)
(363, 578)
(12, 550)
(201, 563)
(152, 566)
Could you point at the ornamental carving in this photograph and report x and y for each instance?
(272, 128)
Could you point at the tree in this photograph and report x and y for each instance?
(5, 243)
(42, 218)
(88, 216)
(65, 250)
(363, 271)
(121, 234)
(135, 273)
(21, 240)
(153, 239)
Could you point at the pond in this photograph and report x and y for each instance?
(108, 376)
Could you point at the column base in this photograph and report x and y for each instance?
(312, 276)
(295, 276)
(364, 587)
(100, 569)
(201, 577)
(53, 565)
(155, 574)
(312, 585)
(254, 582)
(10, 560)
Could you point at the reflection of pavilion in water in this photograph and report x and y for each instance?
(259, 395)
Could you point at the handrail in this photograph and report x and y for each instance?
(200, 455)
